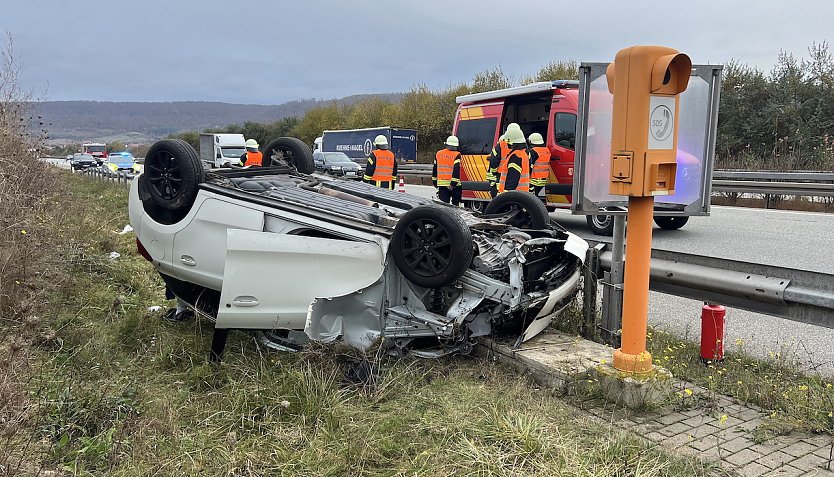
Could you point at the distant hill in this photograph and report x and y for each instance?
(142, 122)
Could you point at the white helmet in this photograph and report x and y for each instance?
(251, 144)
(515, 136)
(381, 140)
(536, 139)
(452, 141)
(514, 126)
(502, 137)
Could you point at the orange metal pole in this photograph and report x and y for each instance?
(632, 357)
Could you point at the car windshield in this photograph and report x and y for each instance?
(336, 158)
(95, 148)
(85, 157)
(234, 152)
(120, 157)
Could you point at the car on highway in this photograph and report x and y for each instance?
(83, 161)
(120, 161)
(337, 164)
(298, 257)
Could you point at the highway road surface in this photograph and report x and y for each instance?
(803, 240)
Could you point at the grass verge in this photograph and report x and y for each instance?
(98, 385)
(796, 401)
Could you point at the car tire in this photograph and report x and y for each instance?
(532, 214)
(172, 175)
(601, 224)
(432, 246)
(294, 151)
(671, 223)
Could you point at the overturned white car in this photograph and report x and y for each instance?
(298, 257)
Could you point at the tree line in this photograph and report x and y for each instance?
(430, 112)
(780, 120)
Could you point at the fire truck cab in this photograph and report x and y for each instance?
(95, 149)
(547, 107)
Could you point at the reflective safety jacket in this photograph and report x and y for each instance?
(540, 160)
(254, 158)
(497, 160)
(381, 168)
(517, 176)
(446, 170)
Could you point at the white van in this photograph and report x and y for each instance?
(220, 150)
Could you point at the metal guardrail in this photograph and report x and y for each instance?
(799, 295)
(120, 177)
(803, 183)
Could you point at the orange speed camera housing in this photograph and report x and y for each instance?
(646, 82)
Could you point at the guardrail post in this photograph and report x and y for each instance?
(612, 293)
(767, 201)
(590, 275)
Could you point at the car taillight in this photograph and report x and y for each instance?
(143, 251)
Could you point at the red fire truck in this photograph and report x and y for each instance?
(96, 149)
(548, 108)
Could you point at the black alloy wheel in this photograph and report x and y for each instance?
(427, 247)
(164, 175)
(432, 246)
(172, 174)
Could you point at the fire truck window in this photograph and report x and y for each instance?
(476, 136)
(564, 130)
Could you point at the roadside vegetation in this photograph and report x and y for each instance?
(795, 396)
(430, 112)
(100, 385)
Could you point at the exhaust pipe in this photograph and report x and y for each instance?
(345, 196)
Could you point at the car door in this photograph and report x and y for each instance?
(271, 279)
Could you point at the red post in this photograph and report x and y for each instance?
(712, 332)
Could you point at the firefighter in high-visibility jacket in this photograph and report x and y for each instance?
(499, 150)
(516, 175)
(381, 169)
(498, 160)
(445, 174)
(252, 156)
(539, 163)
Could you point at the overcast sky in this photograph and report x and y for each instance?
(268, 52)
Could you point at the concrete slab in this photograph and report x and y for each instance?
(554, 359)
(569, 363)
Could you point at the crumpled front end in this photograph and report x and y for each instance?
(517, 282)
